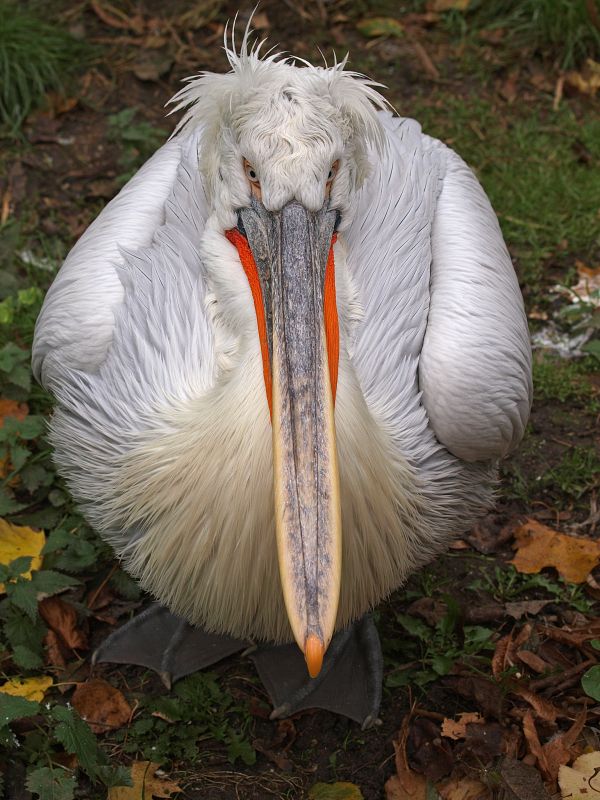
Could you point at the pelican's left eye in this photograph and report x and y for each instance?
(333, 171)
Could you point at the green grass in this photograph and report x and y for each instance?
(564, 30)
(35, 57)
(564, 380)
(530, 171)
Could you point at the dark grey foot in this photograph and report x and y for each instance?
(349, 682)
(165, 643)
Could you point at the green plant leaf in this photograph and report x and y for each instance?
(14, 707)
(51, 783)
(77, 738)
(26, 658)
(24, 595)
(591, 682)
(49, 582)
(415, 627)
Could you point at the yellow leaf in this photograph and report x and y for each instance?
(539, 546)
(380, 26)
(582, 780)
(17, 541)
(588, 80)
(146, 784)
(448, 5)
(29, 688)
(342, 790)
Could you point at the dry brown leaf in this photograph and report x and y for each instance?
(101, 705)
(520, 609)
(533, 661)
(62, 618)
(457, 729)
(539, 546)
(146, 784)
(405, 784)
(53, 651)
(9, 408)
(543, 708)
(17, 541)
(534, 744)
(560, 749)
(463, 789)
(582, 780)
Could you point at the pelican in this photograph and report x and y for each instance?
(287, 358)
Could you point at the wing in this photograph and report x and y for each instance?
(76, 325)
(475, 365)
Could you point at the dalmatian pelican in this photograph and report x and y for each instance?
(287, 358)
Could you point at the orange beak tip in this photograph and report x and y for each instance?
(314, 651)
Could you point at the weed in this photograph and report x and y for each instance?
(432, 652)
(505, 584)
(176, 726)
(35, 57)
(576, 474)
(562, 29)
(138, 140)
(562, 380)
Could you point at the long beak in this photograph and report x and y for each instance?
(307, 499)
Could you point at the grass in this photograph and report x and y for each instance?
(35, 57)
(565, 381)
(528, 167)
(565, 30)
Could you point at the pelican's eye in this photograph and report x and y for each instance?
(332, 172)
(251, 173)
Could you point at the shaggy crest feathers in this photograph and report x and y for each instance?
(291, 122)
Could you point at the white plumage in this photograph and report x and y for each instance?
(148, 340)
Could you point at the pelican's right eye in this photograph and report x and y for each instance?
(251, 173)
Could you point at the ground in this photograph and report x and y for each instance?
(514, 645)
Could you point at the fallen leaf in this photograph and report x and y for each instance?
(588, 80)
(523, 781)
(428, 609)
(533, 661)
(101, 705)
(457, 729)
(29, 688)
(582, 780)
(380, 26)
(341, 790)
(560, 749)
(463, 789)
(448, 5)
(520, 609)
(539, 546)
(405, 784)
(146, 784)
(53, 651)
(62, 618)
(430, 754)
(534, 744)
(483, 742)
(543, 708)
(487, 694)
(17, 541)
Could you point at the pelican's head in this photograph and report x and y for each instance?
(283, 152)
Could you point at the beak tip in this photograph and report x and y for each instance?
(314, 650)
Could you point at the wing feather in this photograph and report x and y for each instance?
(76, 325)
(475, 365)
